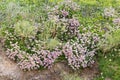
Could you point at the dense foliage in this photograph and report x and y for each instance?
(38, 33)
(34, 44)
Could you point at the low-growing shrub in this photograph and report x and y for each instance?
(38, 43)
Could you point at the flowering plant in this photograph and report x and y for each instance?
(34, 44)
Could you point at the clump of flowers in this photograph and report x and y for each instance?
(116, 21)
(73, 25)
(63, 17)
(80, 53)
(26, 61)
(64, 13)
(109, 12)
(43, 58)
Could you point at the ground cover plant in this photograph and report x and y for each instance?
(39, 33)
